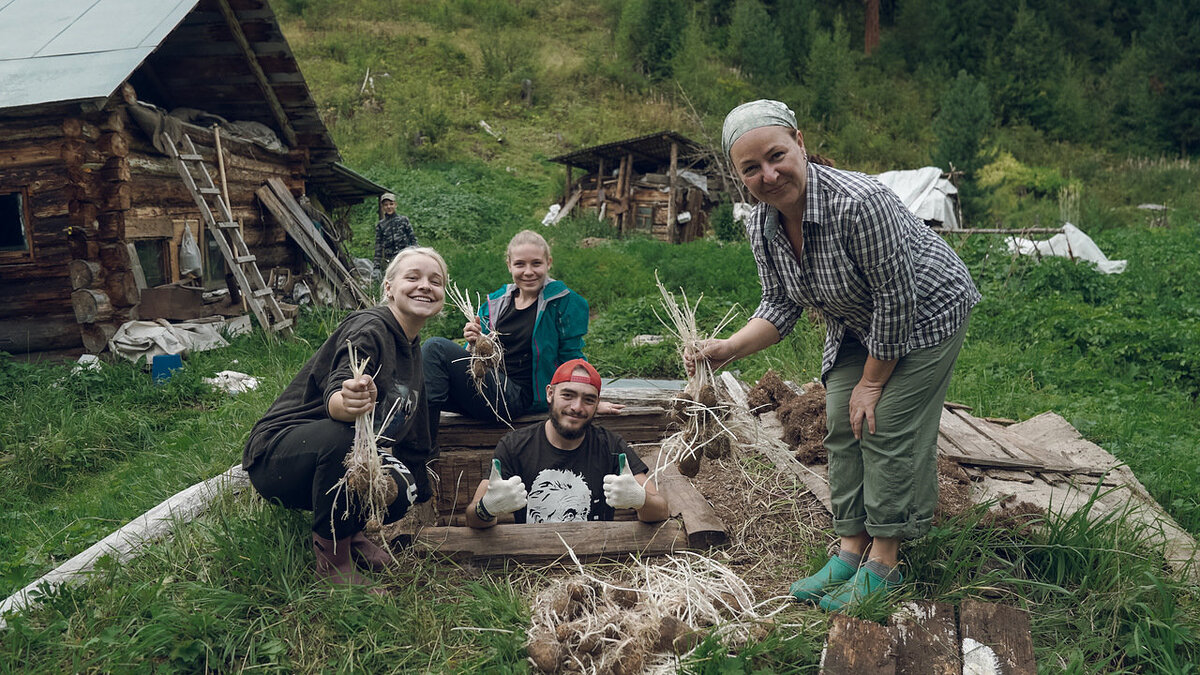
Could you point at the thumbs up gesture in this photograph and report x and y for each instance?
(622, 490)
(503, 496)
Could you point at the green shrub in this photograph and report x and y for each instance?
(723, 224)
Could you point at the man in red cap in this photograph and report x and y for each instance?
(575, 470)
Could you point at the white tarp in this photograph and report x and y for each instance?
(1071, 243)
(925, 193)
(137, 340)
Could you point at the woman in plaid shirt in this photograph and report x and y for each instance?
(895, 299)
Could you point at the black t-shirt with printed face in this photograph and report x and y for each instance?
(564, 485)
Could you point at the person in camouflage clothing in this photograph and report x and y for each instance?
(393, 233)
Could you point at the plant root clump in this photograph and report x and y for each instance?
(769, 393)
(803, 420)
(366, 482)
(641, 620)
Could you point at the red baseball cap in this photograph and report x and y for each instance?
(566, 373)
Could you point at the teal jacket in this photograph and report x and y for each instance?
(558, 330)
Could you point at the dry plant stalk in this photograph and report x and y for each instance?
(704, 431)
(644, 623)
(366, 481)
(486, 354)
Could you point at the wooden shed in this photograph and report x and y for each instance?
(661, 184)
(92, 206)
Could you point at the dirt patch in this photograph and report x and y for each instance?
(954, 491)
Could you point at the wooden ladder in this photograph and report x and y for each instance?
(228, 235)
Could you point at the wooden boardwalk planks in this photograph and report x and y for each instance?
(923, 637)
(1004, 630)
(857, 647)
(926, 638)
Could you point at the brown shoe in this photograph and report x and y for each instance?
(334, 563)
(369, 555)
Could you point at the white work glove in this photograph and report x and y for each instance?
(623, 491)
(503, 496)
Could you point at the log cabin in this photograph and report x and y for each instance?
(92, 209)
(662, 185)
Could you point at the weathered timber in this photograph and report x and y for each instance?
(540, 543)
(20, 156)
(91, 305)
(84, 273)
(1003, 629)
(636, 424)
(703, 527)
(926, 638)
(45, 331)
(95, 336)
(857, 647)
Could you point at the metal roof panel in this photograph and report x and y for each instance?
(73, 77)
(78, 49)
(27, 25)
(119, 24)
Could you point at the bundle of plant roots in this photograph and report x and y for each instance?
(656, 613)
(703, 415)
(366, 482)
(487, 353)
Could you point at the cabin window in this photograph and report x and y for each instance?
(214, 262)
(154, 256)
(14, 223)
(644, 219)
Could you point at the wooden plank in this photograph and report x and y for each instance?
(857, 647)
(636, 424)
(1004, 630)
(926, 638)
(124, 543)
(703, 527)
(777, 451)
(1014, 443)
(541, 543)
(970, 442)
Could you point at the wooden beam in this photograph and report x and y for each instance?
(672, 226)
(264, 85)
(541, 543)
(703, 527)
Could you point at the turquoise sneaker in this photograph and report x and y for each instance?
(864, 584)
(811, 589)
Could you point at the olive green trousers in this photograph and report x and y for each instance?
(887, 482)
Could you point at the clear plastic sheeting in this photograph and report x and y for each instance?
(1071, 243)
(925, 193)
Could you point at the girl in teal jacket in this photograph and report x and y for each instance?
(540, 323)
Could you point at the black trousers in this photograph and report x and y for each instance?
(449, 386)
(303, 463)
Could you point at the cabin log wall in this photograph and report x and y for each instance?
(94, 182)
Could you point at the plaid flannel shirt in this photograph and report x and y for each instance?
(392, 234)
(868, 264)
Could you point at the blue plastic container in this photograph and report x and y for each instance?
(164, 365)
